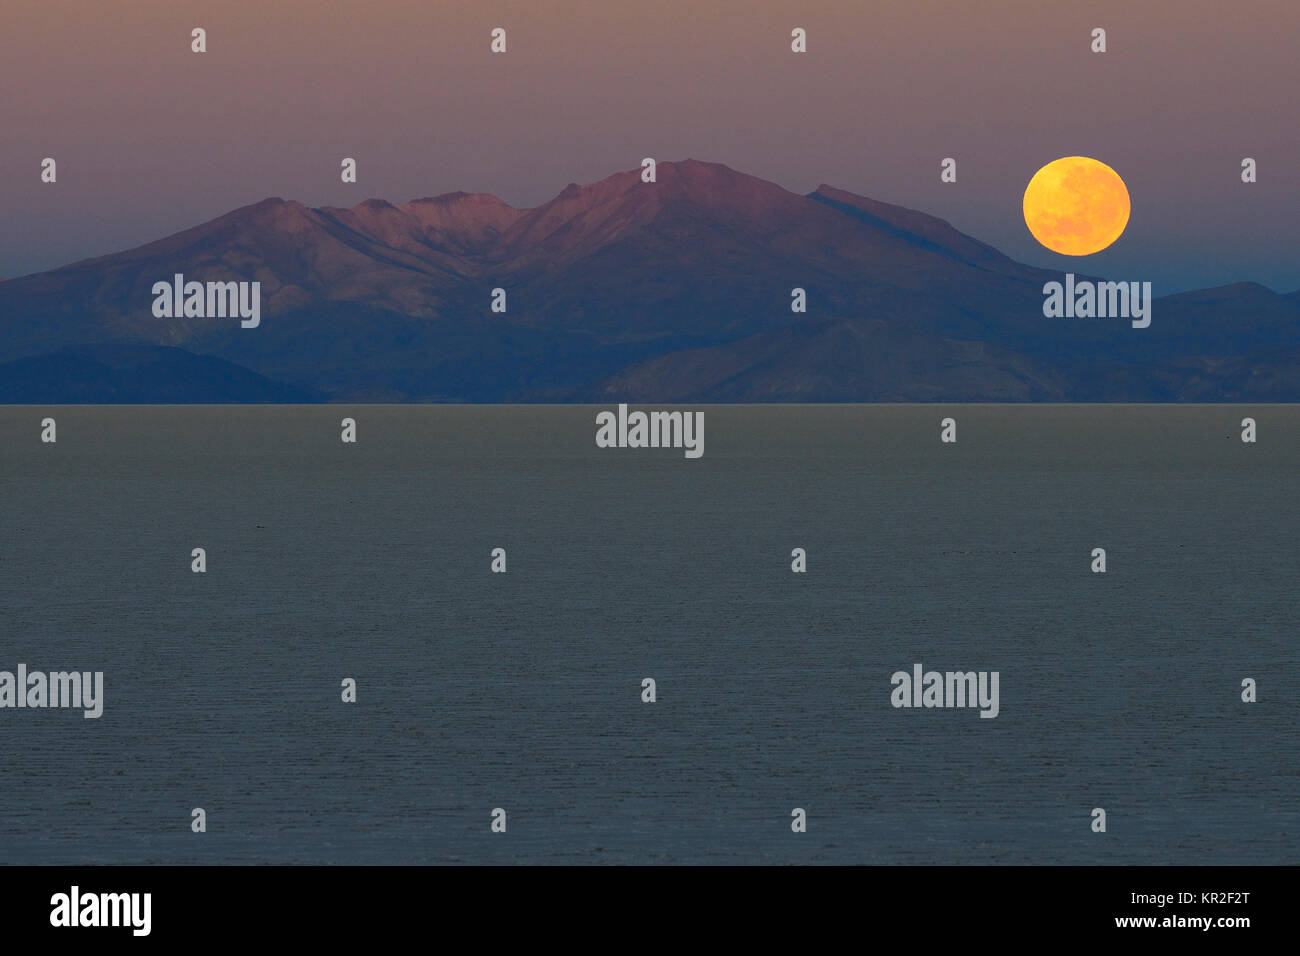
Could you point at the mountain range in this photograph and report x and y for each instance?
(673, 291)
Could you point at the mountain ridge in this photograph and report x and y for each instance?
(678, 288)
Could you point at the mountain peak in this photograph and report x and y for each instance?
(465, 220)
(702, 169)
(684, 173)
(582, 217)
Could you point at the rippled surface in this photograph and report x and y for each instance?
(522, 690)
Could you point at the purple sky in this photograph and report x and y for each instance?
(151, 138)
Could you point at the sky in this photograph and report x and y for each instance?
(151, 138)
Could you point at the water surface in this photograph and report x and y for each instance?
(523, 690)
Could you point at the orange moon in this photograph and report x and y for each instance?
(1076, 206)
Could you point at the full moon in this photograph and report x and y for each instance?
(1076, 206)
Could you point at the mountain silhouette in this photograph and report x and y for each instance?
(677, 290)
